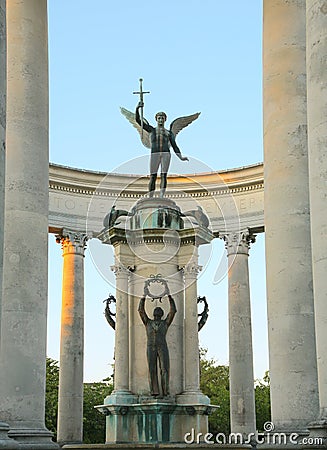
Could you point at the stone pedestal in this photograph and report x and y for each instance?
(5, 441)
(155, 246)
(152, 421)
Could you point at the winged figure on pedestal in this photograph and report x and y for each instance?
(159, 140)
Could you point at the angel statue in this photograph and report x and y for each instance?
(159, 140)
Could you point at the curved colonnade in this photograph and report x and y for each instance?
(79, 199)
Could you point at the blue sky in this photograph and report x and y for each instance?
(193, 56)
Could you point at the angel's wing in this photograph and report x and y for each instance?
(131, 118)
(178, 124)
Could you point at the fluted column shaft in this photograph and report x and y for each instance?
(317, 135)
(192, 375)
(5, 442)
(70, 398)
(3, 89)
(121, 377)
(294, 397)
(25, 281)
(241, 378)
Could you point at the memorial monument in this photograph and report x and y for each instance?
(156, 397)
(288, 209)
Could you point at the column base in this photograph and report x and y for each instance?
(120, 398)
(318, 434)
(33, 439)
(192, 398)
(5, 441)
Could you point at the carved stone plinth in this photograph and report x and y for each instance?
(153, 421)
(5, 441)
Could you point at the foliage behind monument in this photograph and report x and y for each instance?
(214, 384)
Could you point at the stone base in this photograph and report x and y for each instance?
(5, 441)
(192, 398)
(33, 439)
(161, 446)
(120, 398)
(318, 434)
(153, 421)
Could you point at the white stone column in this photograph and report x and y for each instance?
(317, 134)
(70, 397)
(241, 378)
(25, 277)
(3, 89)
(5, 441)
(292, 350)
(191, 336)
(121, 374)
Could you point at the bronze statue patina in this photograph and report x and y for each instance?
(158, 139)
(204, 314)
(111, 218)
(109, 315)
(157, 348)
(199, 216)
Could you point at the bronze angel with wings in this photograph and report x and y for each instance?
(159, 140)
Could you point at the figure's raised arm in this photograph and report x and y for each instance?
(146, 126)
(130, 116)
(141, 310)
(172, 311)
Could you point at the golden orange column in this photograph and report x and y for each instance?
(70, 399)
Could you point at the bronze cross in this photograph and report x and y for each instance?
(141, 93)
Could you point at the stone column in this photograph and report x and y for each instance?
(292, 351)
(70, 398)
(121, 376)
(317, 134)
(3, 89)
(241, 378)
(191, 345)
(192, 394)
(5, 441)
(25, 277)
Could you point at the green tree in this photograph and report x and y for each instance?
(94, 423)
(214, 382)
(262, 401)
(94, 394)
(51, 395)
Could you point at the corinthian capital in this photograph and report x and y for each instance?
(121, 270)
(73, 241)
(238, 242)
(191, 270)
